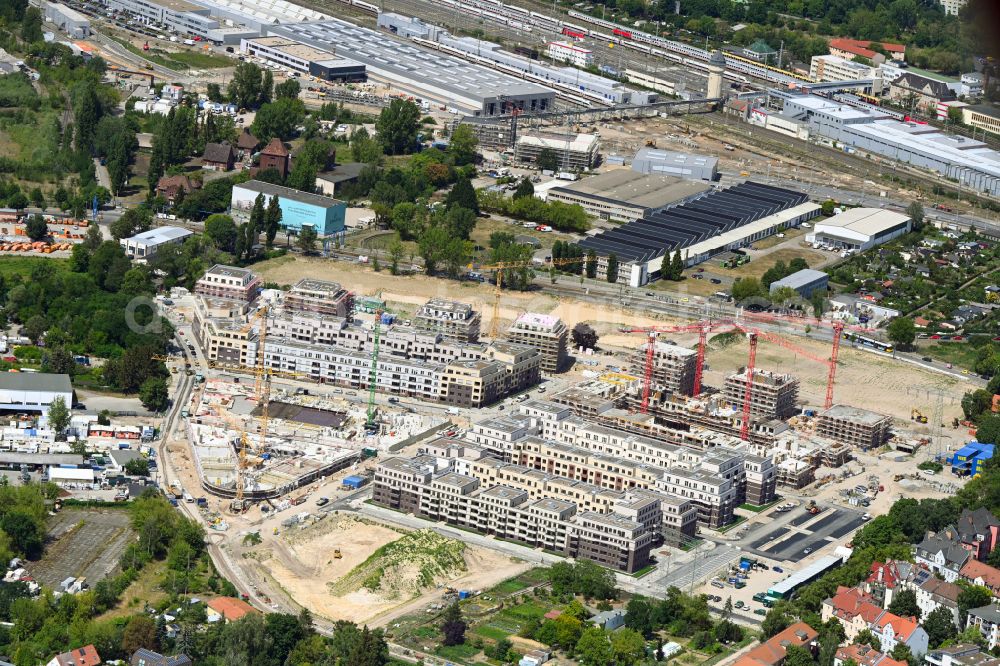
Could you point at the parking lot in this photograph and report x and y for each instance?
(793, 536)
(83, 542)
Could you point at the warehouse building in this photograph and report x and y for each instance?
(650, 160)
(546, 333)
(804, 282)
(142, 247)
(972, 163)
(774, 395)
(714, 223)
(452, 320)
(180, 16)
(860, 228)
(67, 19)
(298, 209)
(323, 64)
(33, 391)
(854, 426)
(574, 152)
(625, 196)
(429, 75)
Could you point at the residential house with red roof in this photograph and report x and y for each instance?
(863, 655)
(893, 630)
(853, 608)
(772, 651)
(883, 580)
(849, 48)
(228, 609)
(979, 573)
(84, 656)
(979, 531)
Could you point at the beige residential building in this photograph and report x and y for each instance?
(451, 320)
(546, 333)
(221, 281)
(854, 426)
(321, 297)
(673, 366)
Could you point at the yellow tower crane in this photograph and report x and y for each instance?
(499, 267)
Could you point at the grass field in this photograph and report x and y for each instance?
(960, 354)
(199, 60)
(145, 589)
(14, 265)
(758, 267)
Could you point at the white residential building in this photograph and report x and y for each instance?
(574, 55)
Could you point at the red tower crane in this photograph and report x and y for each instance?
(748, 391)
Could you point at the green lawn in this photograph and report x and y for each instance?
(14, 265)
(960, 354)
(458, 653)
(491, 631)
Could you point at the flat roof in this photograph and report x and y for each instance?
(675, 158)
(855, 414)
(160, 235)
(177, 5)
(636, 189)
(538, 320)
(69, 12)
(401, 61)
(228, 271)
(801, 278)
(292, 48)
(283, 192)
(35, 381)
(11, 458)
(805, 574)
(582, 143)
(867, 221)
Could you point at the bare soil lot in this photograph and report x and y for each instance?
(83, 542)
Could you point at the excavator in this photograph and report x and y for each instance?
(916, 415)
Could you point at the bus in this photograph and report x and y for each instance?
(868, 342)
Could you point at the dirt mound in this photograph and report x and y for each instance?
(404, 566)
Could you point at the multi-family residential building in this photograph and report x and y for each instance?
(980, 573)
(322, 297)
(773, 395)
(933, 593)
(613, 539)
(979, 531)
(857, 611)
(835, 68)
(230, 282)
(772, 652)
(546, 333)
(673, 366)
(942, 553)
(961, 654)
(863, 655)
(451, 320)
(987, 620)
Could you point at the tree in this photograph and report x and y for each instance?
(462, 145)
(35, 328)
(431, 247)
(133, 221)
(796, 655)
(140, 632)
(974, 596)
(58, 415)
(612, 273)
(915, 211)
(58, 360)
(904, 604)
(547, 160)
(365, 148)
(307, 240)
(396, 252)
(453, 626)
(154, 395)
(940, 626)
(397, 126)
(272, 220)
(676, 266)
(744, 288)
(866, 637)
(245, 86)
(278, 119)
(31, 25)
(222, 230)
(591, 264)
(26, 534)
(902, 332)
(988, 429)
(827, 207)
(524, 189)
(775, 621)
(288, 89)
(36, 228)
(594, 648)
(463, 195)
(214, 92)
(640, 616)
(37, 198)
(627, 646)
(584, 336)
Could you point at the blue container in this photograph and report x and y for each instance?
(388, 318)
(463, 594)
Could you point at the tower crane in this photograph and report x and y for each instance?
(370, 424)
(499, 267)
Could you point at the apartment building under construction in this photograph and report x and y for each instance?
(854, 426)
(774, 395)
(320, 296)
(546, 333)
(673, 366)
